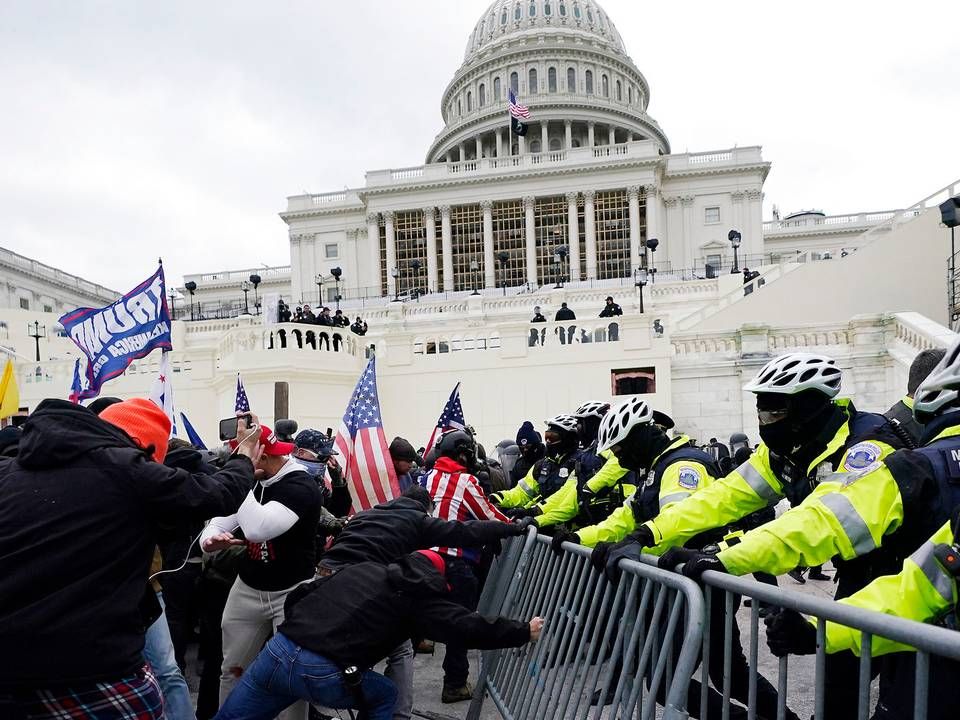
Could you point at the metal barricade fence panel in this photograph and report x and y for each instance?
(635, 642)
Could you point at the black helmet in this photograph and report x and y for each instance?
(454, 443)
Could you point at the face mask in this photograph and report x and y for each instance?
(567, 443)
(315, 468)
(781, 437)
(638, 448)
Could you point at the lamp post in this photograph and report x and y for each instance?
(652, 244)
(337, 272)
(245, 286)
(173, 305)
(559, 257)
(474, 268)
(415, 266)
(395, 274)
(37, 331)
(191, 287)
(640, 279)
(734, 237)
(319, 282)
(950, 216)
(255, 280)
(503, 259)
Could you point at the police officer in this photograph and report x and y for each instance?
(807, 435)
(547, 475)
(598, 485)
(901, 413)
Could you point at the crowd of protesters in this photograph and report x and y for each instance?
(116, 541)
(304, 315)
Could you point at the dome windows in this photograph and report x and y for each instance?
(532, 9)
(588, 79)
(482, 95)
(532, 81)
(552, 80)
(514, 82)
(630, 94)
(619, 91)
(571, 80)
(576, 11)
(469, 101)
(503, 18)
(496, 89)
(562, 9)
(589, 15)
(604, 86)
(547, 10)
(517, 12)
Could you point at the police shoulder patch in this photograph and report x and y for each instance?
(849, 478)
(689, 477)
(861, 456)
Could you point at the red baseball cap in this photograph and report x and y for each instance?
(271, 446)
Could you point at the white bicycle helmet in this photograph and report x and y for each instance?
(940, 387)
(618, 423)
(567, 423)
(793, 373)
(592, 409)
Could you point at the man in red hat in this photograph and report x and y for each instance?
(278, 520)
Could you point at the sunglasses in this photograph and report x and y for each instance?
(769, 417)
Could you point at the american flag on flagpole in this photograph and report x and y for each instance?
(521, 112)
(450, 419)
(242, 404)
(162, 392)
(363, 448)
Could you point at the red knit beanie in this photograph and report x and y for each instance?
(142, 420)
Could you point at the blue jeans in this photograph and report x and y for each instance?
(158, 652)
(284, 672)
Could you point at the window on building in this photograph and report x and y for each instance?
(563, 9)
(469, 101)
(588, 78)
(547, 9)
(633, 381)
(496, 89)
(48, 308)
(503, 18)
(331, 250)
(555, 144)
(552, 79)
(532, 81)
(532, 9)
(482, 95)
(409, 227)
(589, 15)
(508, 237)
(571, 80)
(515, 82)
(466, 229)
(459, 108)
(711, 215)
(576, 11)
(24, 304)
(552, 216)
(619, 91)
(630, 94)
(612, 211)
(605, 85)
(534, 146)
(517, 12)
(714, 263)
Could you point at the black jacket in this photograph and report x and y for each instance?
(565, 314)
(78, 526)
(368, 609)
(611, 310)
(389, 531)
(903, 415)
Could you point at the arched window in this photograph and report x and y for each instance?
(546, 9)
(470, 100)
(630, 94)
(588, 77)
(459, 108)
(552, 79)
(555, 144)
(532, 10)
(480, 34)
(589, 15)
(571, 80)
(532, 81)
(517, 12)
(563, 9)
(604, 86)
(619, 92)
(576, 11)
(482, 95)
(535, 146)
(496, 89)
(503, 18)
(515, 82)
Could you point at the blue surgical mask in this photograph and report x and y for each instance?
(317, 469)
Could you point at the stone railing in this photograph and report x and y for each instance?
(59, 277)
(290, 337)
(828, 222)
(750, 155)
(280, 272)
(297, 203)
(920, 333)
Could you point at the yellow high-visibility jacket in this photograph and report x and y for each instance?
(564, 504)
(679, 481)
(924, 591)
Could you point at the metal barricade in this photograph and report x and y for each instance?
(634, 644)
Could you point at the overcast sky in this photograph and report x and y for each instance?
(131, 129)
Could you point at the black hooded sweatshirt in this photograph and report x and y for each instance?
(81, 504)
(393, 529)
(360, 614)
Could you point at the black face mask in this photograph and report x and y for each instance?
(641, 447)
(806, 414)
(566, 444)
(589, 427)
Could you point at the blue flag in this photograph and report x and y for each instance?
(114, 336)
(242, 404)
(191, 433)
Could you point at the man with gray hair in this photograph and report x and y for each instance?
(901, 414)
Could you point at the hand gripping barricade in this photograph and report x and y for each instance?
(592, 630)
(639, 641)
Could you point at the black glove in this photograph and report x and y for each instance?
(336, 476)
(520, 525)
(562, 537)
(675, 556)
(789, 633)
(629, 549)
(643, 536)
(518, 513)
(598, 558)
(700, 563)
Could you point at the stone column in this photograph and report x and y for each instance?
(671, 244)
(633, 199)
(590, 228)
(573, 231)
(499, 143)
(544, 136)
(479, 148)
(688, 249)
(373, 247)
(391, 242)
(296, 281)
(652, 203)
(521, 145)
(430, 223)
(463, 152)
(736, 220)
(753, 232)
(590, 134)
(489, 266)
(531, 239)
(568, 134)
(449, 156)
(611, 135)
(446, 243)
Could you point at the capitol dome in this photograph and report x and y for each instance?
(566, 61)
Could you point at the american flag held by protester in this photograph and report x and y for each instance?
(450, 419)
(242, 404)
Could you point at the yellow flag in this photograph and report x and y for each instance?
(9, 392)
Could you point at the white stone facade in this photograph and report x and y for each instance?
(27, 284)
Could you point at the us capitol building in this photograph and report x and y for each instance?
(446, 260)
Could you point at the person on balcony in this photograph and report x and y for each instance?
(565, 313)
